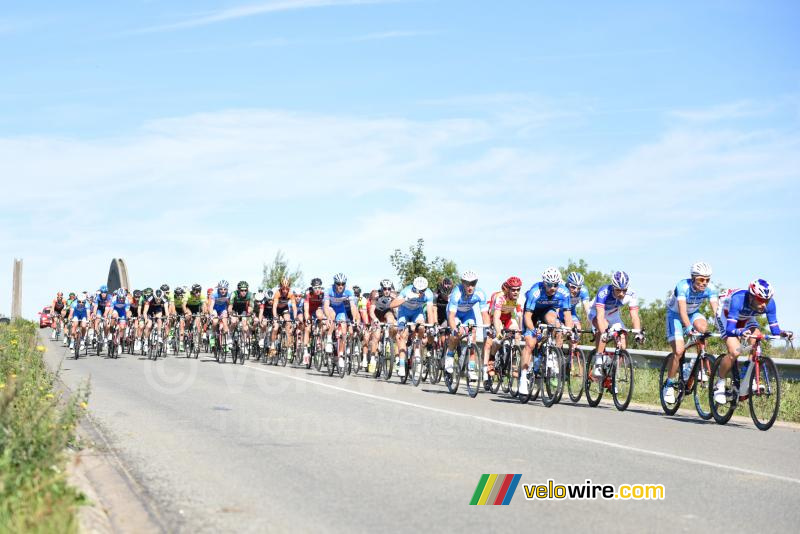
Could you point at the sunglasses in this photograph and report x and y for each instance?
(760, 300)
(574, 287)
(514, 289)
(339, 285)
(470, 284)
(550, 285)
(702, 279)
(618, 290)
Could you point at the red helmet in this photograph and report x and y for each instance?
(513, 283)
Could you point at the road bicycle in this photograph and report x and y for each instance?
(757, 381)
(612, 370)
(546, 372)
(467, 362)
(506, 363)
(692, 377)
(418, 353)
(575, 362)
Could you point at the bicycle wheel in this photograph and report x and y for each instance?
(387, 354)
(452, 378)
(765, 393)
(701, 386)
(622, 380)
(77, 347)
(533, 385)
(499, 371)
(222, 348)
(435, 365)
(356, 353)
(515, 368)
(722, 413)
(474, 366)
(594, 384)
(415, 369)
(551, 375)
(576, 374)
(341, 360)
(677, 385)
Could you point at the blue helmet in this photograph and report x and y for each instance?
(575, 279)
(121, 293)
(760, 288)
(339, 278)
(104, 289)
(620, 280)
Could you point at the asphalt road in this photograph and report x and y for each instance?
(255, 448)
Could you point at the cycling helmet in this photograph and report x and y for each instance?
(357, 291)
(196, 288)
(158, 293)
(60, 294)
(701, 268)
(179, 291)
(72, 295)
(551, 275)
(420, 284)
(82, 298)
(760, 288)
(164, 288)
(103, 289)
(620, 280)
(513, 282)
(386, 284)
(339, 278)
(445, 286)
(242, 286)
(137, 293)
(469, 276)
(284, 283)
(148, 291)
(575, 279)
(209, 291)
(120, 293)
(316, 282)
(223, 284)
(270, 294)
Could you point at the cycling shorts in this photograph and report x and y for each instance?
(466, 318)
(79, 315)
(410, 316)
(675, 326)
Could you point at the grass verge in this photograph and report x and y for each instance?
(37, 424)
(645, 391)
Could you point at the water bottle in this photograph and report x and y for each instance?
(743, 370)
(687, 369)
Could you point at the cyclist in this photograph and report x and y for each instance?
(241, 303)
(57, 310)
(176, 310)
(505, 311)
(218, 306)
(284, 307)
(101, 302)
(314, 312)
(414, 302)
(441, 301)
(605, 317)
(461, 311)
(119, 313)
(155, 307)
(194, 305)
(335, 304)
(684, 317)
(577, 294)
(71, 298)
(380, 312)
(135, 311)
(736, 317)
(543, 302)
(79, 315)
(265, 314)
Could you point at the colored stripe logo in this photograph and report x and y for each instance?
(495, 489)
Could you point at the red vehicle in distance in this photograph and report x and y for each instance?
(44, 318)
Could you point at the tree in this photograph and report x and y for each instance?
(280, 269)
(414, 263)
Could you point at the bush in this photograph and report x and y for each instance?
(36, 427)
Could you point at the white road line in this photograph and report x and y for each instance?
(549, 432)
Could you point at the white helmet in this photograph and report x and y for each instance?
(420, 284)
(551, 275)
(701, 268)
(469, 276)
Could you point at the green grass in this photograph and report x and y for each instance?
(645, 391)
(36, 427)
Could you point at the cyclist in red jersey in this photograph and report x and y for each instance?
(505, 312)
(313, 307)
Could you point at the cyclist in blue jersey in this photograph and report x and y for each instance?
(684, 317)
(578, 294)
(605, 317)
(413, 304)
(335, 305)
(544, 301)
(79, 316)
(461, 311)
(119, 313)
(218, 307)
(101, 302)
(736, 317)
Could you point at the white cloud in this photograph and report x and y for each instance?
(728, 111)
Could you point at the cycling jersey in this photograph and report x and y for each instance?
(464, 304)
(441, 301)
(537, 299)
(266, 305)
(736, 313)
(102, 303)
(300, 303)
(694, 299)
(283, 301)
(605, 299)
(155, 307)
(178, 302)
(79, 311)
(220, 301)
(583, 296)
(241, 304)
(339, 301)
(314, 301)
(509, 309)
(383, 305)
(59, 305)
(195, 302)
(414, 305)
(121, 307)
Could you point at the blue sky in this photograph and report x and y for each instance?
(194, 139)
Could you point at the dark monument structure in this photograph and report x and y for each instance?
(118, 275)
